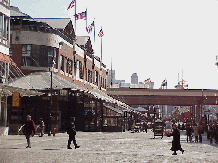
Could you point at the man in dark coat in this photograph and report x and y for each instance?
(71, 131)
(176, 141)
(29, 129)
(216, 132)
(200, 131)
(145, 127)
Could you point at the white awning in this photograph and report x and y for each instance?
(8, 90)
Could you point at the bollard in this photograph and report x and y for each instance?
(53, 131)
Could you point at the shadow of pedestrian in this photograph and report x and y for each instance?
(12, 148)
(51, 149)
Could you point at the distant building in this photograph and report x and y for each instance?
(119, 81)
(110, 77)
(134, 78)
(119, 84)
(123, 84)
(146, 84)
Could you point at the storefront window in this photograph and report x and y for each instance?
(105, 85)
(26, 55)
(96, 77)
(70, 66)
(55, 57)
(38, 56)
(5, 28)
(77, 69)
(61, 63)
(65, 65)
(6, 2)
(51, 57)
(43, 62)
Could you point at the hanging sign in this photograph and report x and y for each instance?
(16, 99)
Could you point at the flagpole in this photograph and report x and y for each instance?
(75, 17)
(86, 17)
(94, 29)
(111, 74)
(101, 48)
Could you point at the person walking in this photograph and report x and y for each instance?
(210, 132)
(216, 132)
(41, 127)
(176, 140)
(200, 131)
(189, 131)
(145, 127)
(29, 129)
(71, 131)
(183, 126)
(196, 133)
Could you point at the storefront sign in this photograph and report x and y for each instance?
(16, 99)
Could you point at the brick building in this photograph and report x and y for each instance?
(62, 66)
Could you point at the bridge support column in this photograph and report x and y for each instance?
(192, 111)
(198, 113)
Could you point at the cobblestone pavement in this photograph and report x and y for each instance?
(104, 147)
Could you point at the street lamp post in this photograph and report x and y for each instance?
(50, 106)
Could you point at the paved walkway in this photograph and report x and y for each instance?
(104, 147)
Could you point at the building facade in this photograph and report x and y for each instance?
(4, 38)
(4, 60)
(62, 66)
(134, 78)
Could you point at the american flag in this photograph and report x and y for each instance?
(101, 34)
(71, 4)
(89, 28)
(164, 83)
(80, 15)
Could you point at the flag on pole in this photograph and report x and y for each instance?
(101, 34)
(71, 4)
(80, 15)
(89, 28)
(148, 80)
(164, 83)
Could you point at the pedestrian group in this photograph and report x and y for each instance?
(29, 130)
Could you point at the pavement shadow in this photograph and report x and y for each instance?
(208, 143)
(25, 148)
(51, 149)
(12, 148)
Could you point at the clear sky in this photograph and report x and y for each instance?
(156, 39)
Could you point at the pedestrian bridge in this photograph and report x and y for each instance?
(174, 97)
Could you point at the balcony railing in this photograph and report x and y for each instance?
(40, 29)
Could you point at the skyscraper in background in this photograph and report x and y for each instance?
(134, 78)
(110, 77)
